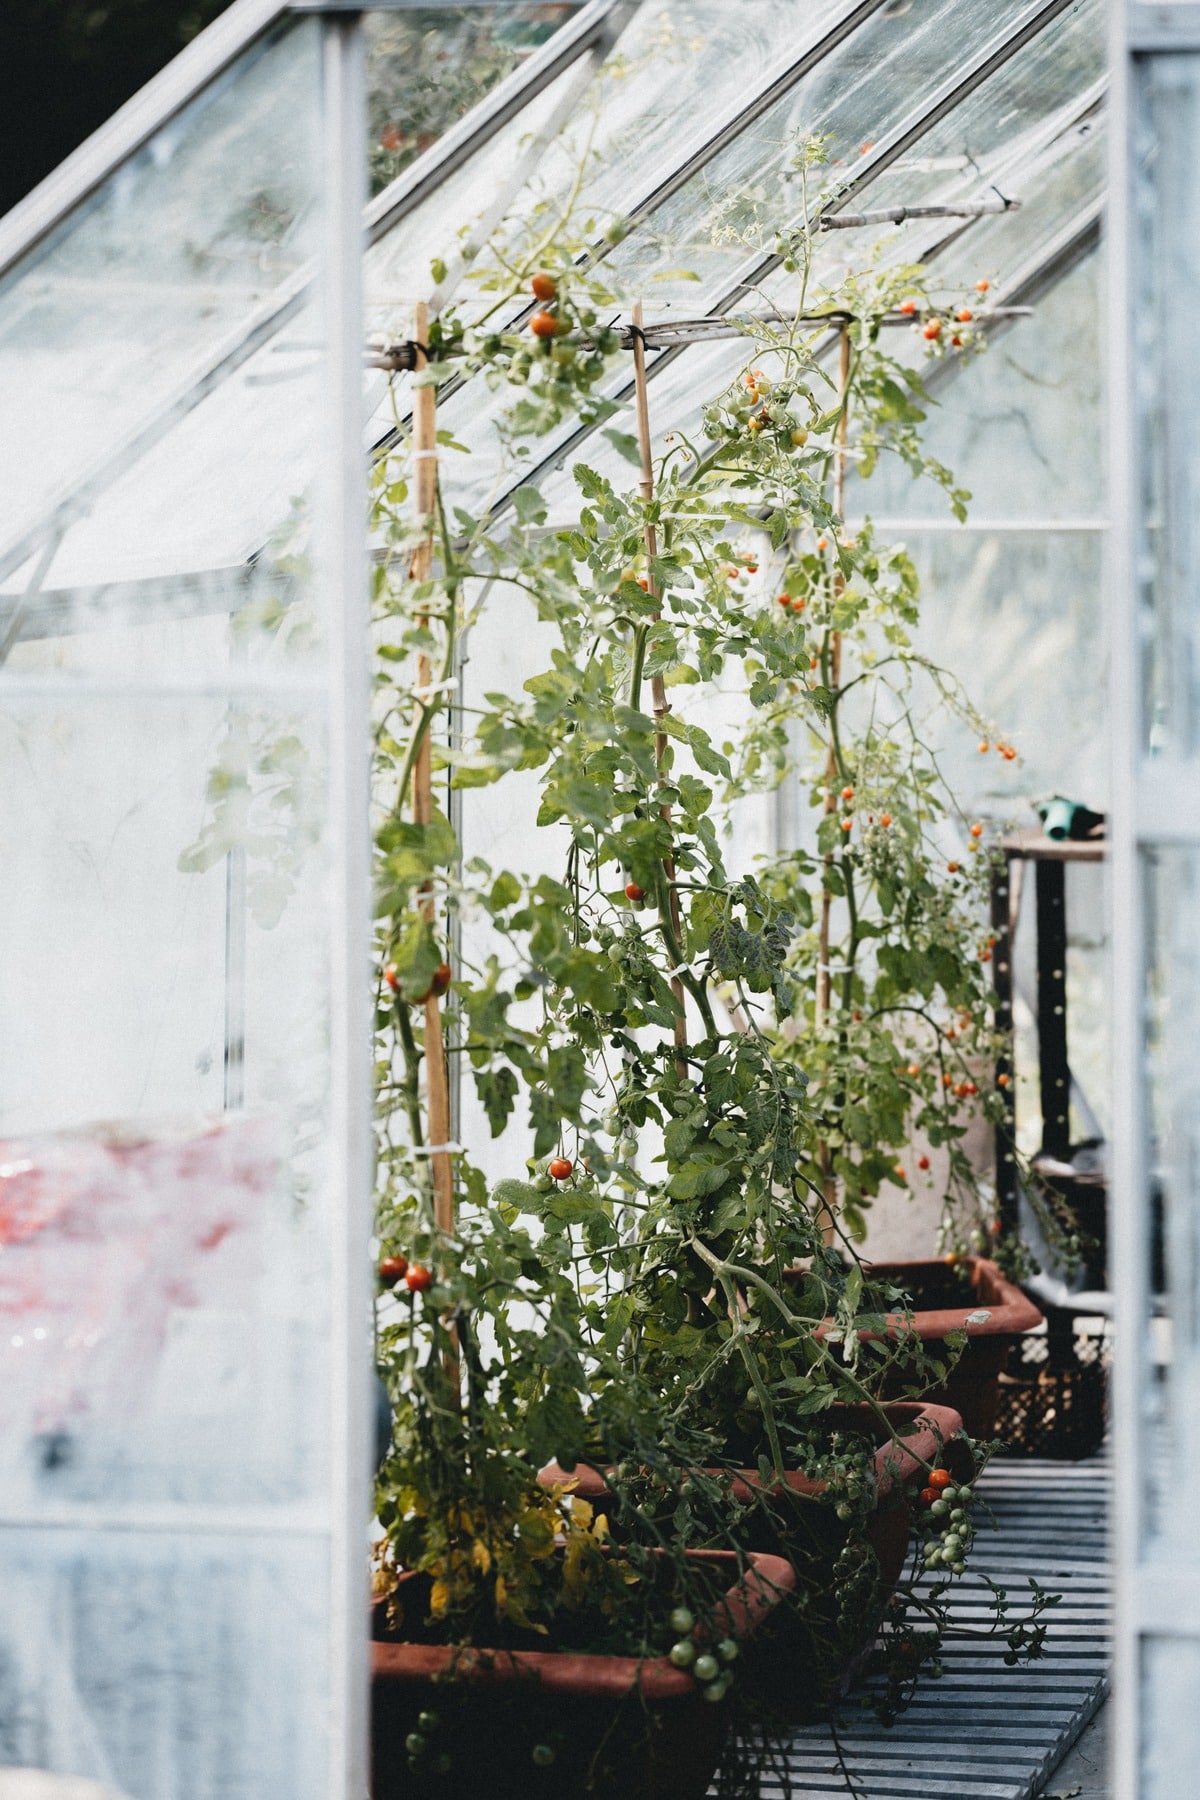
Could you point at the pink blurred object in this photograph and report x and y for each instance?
(104, 1233)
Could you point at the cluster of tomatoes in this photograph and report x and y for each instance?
(395, 1269)
(443, 975)
(946, 1522)
(709, 1667)
(1001, 747)
(934, 324)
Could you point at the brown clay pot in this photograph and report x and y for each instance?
(619, 1727)
(800, 1671)
(971, 1296)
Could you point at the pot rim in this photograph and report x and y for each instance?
(754, 1595)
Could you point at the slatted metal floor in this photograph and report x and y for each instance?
(985, 1731)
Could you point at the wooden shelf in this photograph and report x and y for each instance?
(1035, 846)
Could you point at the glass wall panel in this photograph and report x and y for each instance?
(1164, 326)
(1021, 426)
(1170, 1721)
(174, 1178)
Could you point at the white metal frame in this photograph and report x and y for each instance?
(1152, 802)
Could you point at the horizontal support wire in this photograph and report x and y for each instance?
(897, 215)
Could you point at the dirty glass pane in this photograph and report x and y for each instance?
(1164, 327)
(170, 1171)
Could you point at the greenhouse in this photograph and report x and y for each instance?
(601, 822)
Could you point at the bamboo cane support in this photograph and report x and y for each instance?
(824, 995)
(425, 486)
(657, 685)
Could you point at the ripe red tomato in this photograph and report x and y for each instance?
(634, 892)
(560, 1168)
(885, 820)
(956, 341)
(932, 330)
(983, 284)
(393, 1268)
(418, 1279)
(928, 1496)
(952, 868)
(799, 603)
(644, 584)
(544, 286)
(964, 315)
(391, 977)
(977, 830)
(907, 307)
(901, 1174)
(940, 1478)
(822, 543)
(443, 975)
(1003, 1080)
(922, 1162)
(847, 824)
(847, 793)
(784, 599)
(543, 324)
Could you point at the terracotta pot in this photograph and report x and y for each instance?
(972, 1296)
(619, 1727)
(798, 1667)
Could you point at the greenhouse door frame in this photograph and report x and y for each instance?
(1155, 816)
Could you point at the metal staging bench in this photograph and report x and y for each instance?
(984, 1731)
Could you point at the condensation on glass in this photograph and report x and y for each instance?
(168, 1161)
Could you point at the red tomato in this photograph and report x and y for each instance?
(393, 1268)
(940, 1478)
(982, 285)
(928, 1496)
(392, 979)
(922, 1162)
(847, 824)
(932, 330)
(784, 599)
(901, 1175)
(443, 975)
(560, 1168)
(418, 1279)
(543, 324)
(544, 286)
(847, 793)
(799, 603)
(964, 315)
(885, 820)
(634, 892)
(907, 307)
(952, 868)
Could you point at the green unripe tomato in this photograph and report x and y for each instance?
(706, 1667)
(960, 1568)
(543, 1755)
(614, 232)
(415, 1744)
(965, 1493)
(543, 1184)
(716, 1690)
(683, 1619)
(950, 1496)
(939, 1509)
(683, 1654)
(957, 1516)
(428, 1721)
(727, 1650)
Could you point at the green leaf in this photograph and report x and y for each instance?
(625, 443)
(529, 506)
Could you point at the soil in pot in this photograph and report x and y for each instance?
(528, 1719)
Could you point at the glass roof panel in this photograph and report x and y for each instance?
(98, 326)
(731, 209)
(679, 69)
(427, 67)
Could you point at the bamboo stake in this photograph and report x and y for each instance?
(824, 975)
(425, 485)
(657, 685)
